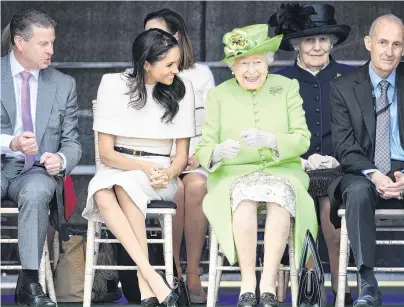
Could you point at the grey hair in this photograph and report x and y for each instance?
(269, 57)
(22, 22)
(296, 42)
(390, 17)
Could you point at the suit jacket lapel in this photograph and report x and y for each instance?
(400, 101)
(7, 89)
(45, 100)
(363, 91)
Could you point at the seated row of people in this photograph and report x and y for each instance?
(264, 141)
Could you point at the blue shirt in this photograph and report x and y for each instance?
(396, 150)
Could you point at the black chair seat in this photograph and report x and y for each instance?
(161, 204)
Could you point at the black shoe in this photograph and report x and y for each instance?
(370, 297)
(247, 300)
(348, 299)
(172, 297)
(150, 302)
(268, 300)
(32, 295)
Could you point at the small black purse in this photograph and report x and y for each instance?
(310, 281)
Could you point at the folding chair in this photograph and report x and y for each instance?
(45, 270)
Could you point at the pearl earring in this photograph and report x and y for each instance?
(232, 72)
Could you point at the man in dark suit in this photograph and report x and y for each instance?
(368, 137)
(39, 141)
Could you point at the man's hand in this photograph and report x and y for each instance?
(395, 189)
(381, 182)
(53, 163)
(193, 163)
(25, 142)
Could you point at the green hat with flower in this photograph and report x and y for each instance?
(249, 40)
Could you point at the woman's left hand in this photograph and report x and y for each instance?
(160, 178)
(317, 161)
(258, 138)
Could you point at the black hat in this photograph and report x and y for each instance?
(296, 21)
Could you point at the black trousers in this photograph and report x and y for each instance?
(360, 198)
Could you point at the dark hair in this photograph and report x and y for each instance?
(175, 24)
(22, 22)
(152, 46)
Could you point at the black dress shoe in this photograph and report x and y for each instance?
(370, 297)
(348, 299)
(247, 300)
(32, 295)
(172, 297)
(268, 300)
(150, 302)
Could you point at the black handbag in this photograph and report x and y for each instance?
(310, 281)
(181, 288)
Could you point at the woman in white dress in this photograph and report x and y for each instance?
(137, 117)
(190, 219)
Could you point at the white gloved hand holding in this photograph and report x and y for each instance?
(228, 149)
(317, 161)
(257, 138)
(303, 163)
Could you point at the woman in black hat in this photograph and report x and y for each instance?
(312, 31)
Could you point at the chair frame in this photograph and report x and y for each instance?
(387, 214)
(216, 267)
(45, 270)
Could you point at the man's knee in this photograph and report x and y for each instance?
(36, 195)
(360, 194)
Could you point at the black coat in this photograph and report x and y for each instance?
(315, 93)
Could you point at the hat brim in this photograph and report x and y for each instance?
(340, 31)
(270, 45)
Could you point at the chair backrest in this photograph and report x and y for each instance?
(97, 154)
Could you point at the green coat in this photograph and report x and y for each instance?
(277, 108)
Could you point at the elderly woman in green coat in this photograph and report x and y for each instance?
(254, 134)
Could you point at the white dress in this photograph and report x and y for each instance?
(140, 130)
(202, 80)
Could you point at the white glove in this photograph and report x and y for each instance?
(317, 161)
(303, 163)
(258, 138)
(227, 149)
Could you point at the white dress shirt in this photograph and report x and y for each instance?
(5, 139)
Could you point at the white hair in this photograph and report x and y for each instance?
(269, 57)
(390, 17)
(296, 41)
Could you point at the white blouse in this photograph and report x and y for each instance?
(114, 116)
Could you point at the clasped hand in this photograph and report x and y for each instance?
(386, 187)
(159, 176)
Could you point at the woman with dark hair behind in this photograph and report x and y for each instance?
(190, 219)
(138, 115)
